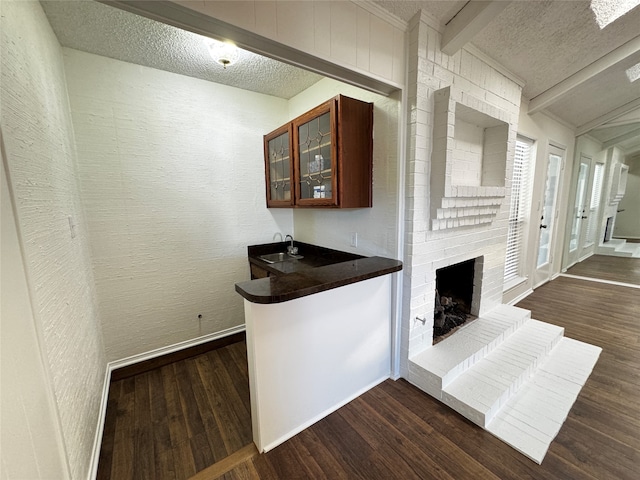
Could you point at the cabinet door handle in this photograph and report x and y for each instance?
(543, 226)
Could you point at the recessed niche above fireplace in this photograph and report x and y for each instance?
(468, 161)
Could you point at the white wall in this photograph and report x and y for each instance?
(172, 180)
(376, 227)
(628, 222)
(544, 131)
(40, 156)
(32, 445)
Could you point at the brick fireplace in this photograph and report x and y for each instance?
(462, 130)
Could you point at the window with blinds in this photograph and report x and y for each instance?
(519, 211)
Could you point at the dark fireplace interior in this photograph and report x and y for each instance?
(454, 293)
(608, 231)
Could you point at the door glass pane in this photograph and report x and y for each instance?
(578, 209)
(279, 168)
(548, 209)
(314, 139)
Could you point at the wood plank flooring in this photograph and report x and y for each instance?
(176, 420)
(617, 269)
(393, 431)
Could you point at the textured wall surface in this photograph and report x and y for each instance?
(427, 250)
(30, 437)
(172, 181)
(377, 227)
(40, 154)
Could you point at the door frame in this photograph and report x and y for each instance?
(558, 233)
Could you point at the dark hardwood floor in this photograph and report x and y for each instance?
(394, 431)
(606, 267)
(176, 420)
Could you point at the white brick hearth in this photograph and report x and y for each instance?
(513, 376)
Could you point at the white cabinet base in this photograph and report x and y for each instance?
(312, 355)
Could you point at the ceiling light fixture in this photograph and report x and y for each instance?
(633, 73)
(225, 53)
(607, 11)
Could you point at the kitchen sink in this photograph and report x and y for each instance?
(279, 257)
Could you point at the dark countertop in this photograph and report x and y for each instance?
(321, 269)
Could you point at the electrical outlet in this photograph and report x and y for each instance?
(354, 239)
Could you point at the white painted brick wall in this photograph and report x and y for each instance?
(426, 248)
(172, 180)
(41, 157)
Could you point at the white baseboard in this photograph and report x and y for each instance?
(141, 357)
(97, 441)
(520, 297)
(158, 352)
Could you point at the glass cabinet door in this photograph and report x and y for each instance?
(278, 175)
(316, 157)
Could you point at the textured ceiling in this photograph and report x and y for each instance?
(573, 108)
(540, 41)
(547, 41)
(97, 28)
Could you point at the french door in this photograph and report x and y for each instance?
(579, 210)
(586, 209)
(547, 212)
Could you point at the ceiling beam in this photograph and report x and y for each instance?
(621, 138)
(607, 117)
(549, 96)
(470, 20)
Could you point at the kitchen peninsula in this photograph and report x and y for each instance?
(318, 334)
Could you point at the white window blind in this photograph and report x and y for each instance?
(518, 213)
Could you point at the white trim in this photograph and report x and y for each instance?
(378, 11)
(158, 352)
(470, 20)
(475, 51)
(600, 280)
(97, 441)
(322, 415)
(520, 297)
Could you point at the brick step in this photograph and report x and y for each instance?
(480, 392)
(618, 248)
(532, 417)
(434, 368)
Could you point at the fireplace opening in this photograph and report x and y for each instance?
(454, 296)
(608, 231)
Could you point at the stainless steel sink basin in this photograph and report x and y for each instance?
(279, 257)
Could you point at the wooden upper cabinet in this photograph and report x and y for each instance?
(279, 167)
(332, 157)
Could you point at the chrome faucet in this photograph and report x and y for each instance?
(291, 250)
